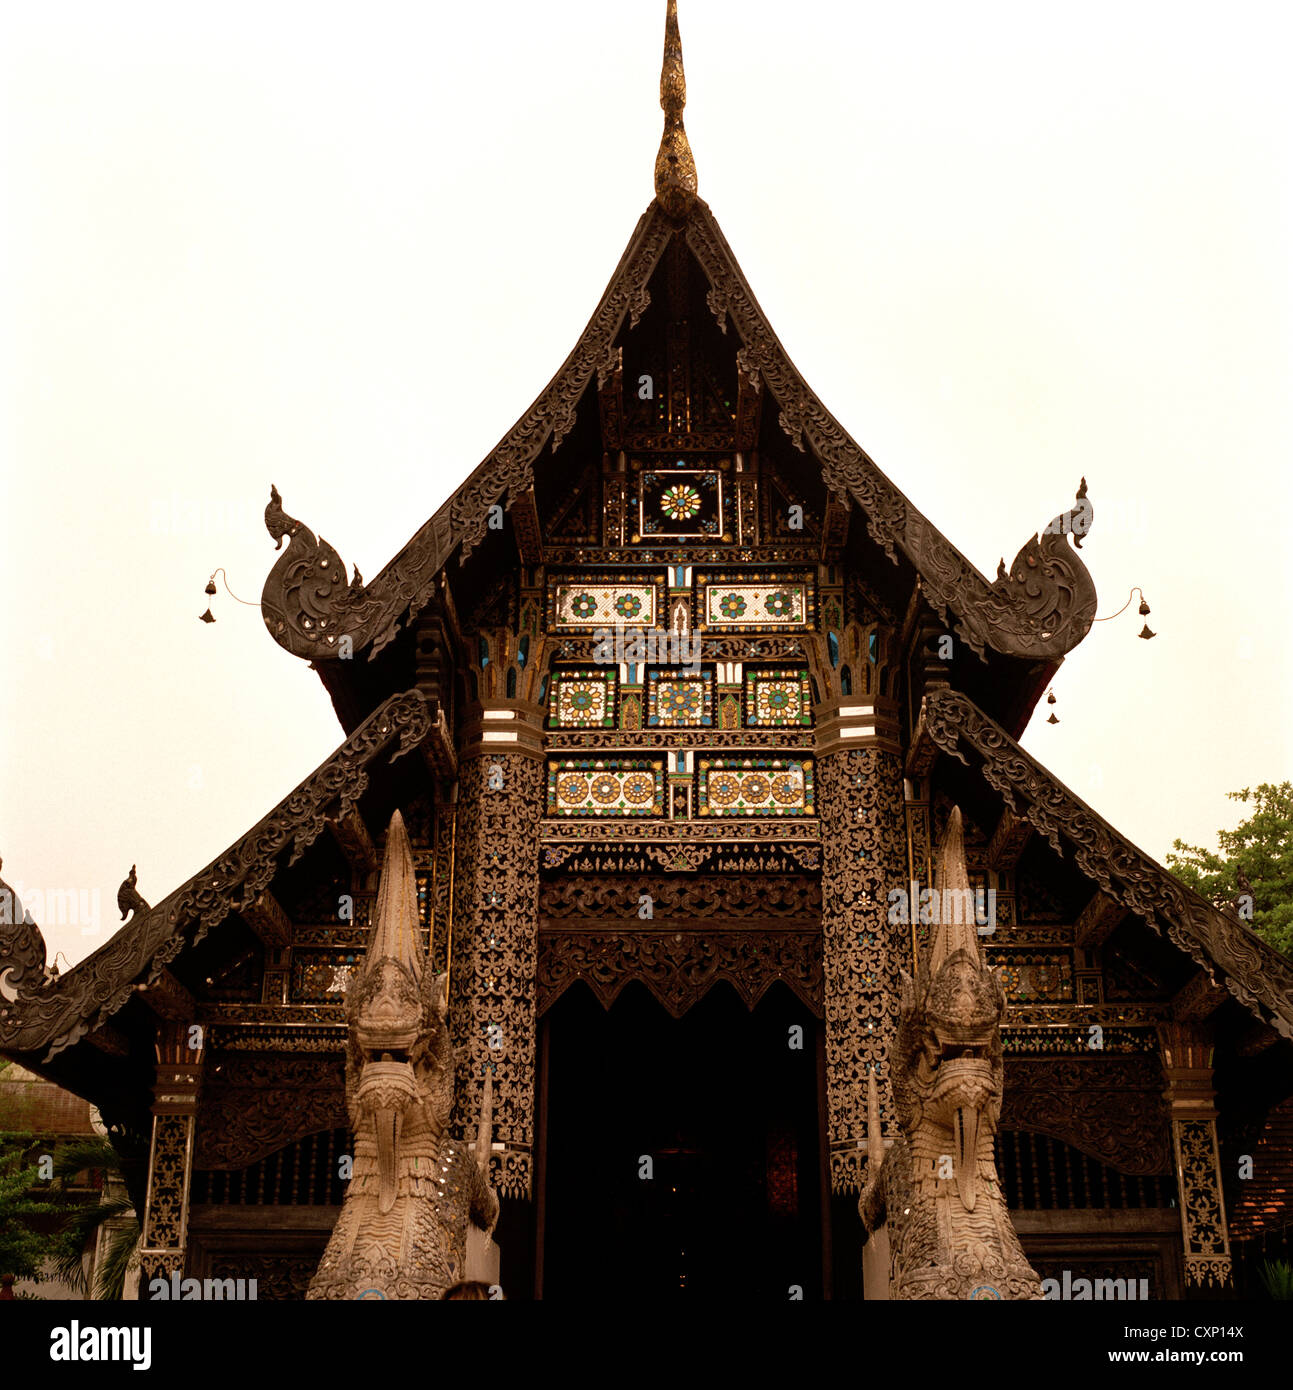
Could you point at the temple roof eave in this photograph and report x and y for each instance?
(49, 1016)
(1254, 973)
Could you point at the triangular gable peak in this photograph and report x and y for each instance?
(1036, 611)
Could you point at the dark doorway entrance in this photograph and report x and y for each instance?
(682, 1155)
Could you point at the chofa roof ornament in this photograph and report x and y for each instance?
(675, 169)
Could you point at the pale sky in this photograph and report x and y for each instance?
(341, 248)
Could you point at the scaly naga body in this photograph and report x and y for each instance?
(402, 1232)
(950, 1235)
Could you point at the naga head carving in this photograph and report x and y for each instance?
(398, 1056)
(947, 1047)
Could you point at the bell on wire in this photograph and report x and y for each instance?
(210, 588)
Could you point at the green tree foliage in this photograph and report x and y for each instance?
(1256, 859)
(29, 1221)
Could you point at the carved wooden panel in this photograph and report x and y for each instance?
(258, 1102)
(1110, 1108)
(679, 967)
(619, 896)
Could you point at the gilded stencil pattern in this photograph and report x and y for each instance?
(864, 856)
(492, 978)
(606, 787)
(777, 698)
(754, 786)
(1203, 1218)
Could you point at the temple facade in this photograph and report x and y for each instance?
(677, 698)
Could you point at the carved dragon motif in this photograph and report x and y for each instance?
(403, 1228)
(936, 1190)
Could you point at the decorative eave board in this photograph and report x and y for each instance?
(1258, 976)
(53, 1016)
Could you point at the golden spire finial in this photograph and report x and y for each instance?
(675, 169)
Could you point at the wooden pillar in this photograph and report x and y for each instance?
(864, 858)
(180, 1052)
(1187, 1062)
(495, 933)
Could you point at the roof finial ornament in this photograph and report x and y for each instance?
(675, 169)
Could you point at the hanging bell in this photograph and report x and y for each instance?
(1050, 697)
(1054, 719)
(1143, 610)
(207, 617)
(210, 588)
(1146, 633)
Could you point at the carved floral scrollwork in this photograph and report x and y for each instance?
(1110, 1108)
(257, 1104)
(1259, 977)
(679, 968)
(1203, 1216)
(492, 1010)
(861, 806)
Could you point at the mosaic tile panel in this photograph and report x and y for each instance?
(754, 786)
(319, 977)
(732, 604)
(583, 698)
(1033, 977)
(606, 787)
(777, 698)
(583, 604)
(680, 504)
(678, 700)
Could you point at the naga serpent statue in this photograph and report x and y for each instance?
(403, 1228)
(936, 1193)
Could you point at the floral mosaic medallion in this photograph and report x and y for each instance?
(605, 787)
(680, 503)
(582, 699)
(680, 701)
(731, 604)
(754, 786)
(778, 698)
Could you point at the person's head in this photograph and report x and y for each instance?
(471, 1288)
